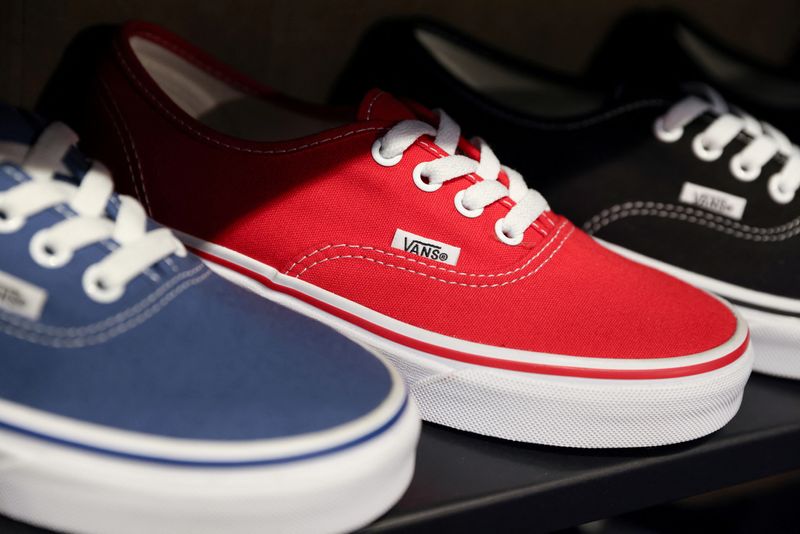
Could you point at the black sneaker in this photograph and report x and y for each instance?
(675, 179)
(663, 45)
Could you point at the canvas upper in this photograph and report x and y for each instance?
(180, 354)
(317, 207)
(600, 160)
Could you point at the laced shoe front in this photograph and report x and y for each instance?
(505, 319)
(668, 174)
(140, 392)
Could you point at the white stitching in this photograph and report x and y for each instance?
(143, 193)
(124, 315)
(436, 152)
(155, 100)
(185, 54)
(133, 148)
(99, 338)
(372, 103)
(117, 129)
(561, 244)
(452, 271)
(227, 145)
(687, 214)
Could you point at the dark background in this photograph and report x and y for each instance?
(300, 45)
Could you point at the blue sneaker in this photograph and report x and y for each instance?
(140, 392)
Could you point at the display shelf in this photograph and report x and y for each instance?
(468, 483)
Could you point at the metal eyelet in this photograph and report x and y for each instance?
(380, 159)
(419, 179)
(463, 210)
(501, 235)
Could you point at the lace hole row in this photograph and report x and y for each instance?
(420, 180)
(702, 148)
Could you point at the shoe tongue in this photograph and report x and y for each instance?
(23, 128)
(381, 106)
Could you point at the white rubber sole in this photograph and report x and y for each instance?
(574, 412)
(776, 339)
(546, 409)
(73, 490)
(775, 336)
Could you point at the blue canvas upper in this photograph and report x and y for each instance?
(182, 354)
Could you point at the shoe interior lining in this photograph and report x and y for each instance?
(220, 105)
(511, 87)
(734, 73)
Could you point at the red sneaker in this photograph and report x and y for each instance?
(505, 319)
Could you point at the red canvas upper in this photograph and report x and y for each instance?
(321, 209)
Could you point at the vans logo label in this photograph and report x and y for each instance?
(20, 297)
(712, 200)
(425, 248)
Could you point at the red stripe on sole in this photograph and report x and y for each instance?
(485, 361)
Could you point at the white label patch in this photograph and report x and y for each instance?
(425, 248)
(713, 200)
(20, 297)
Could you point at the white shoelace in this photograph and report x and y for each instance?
(54, 247)
(767, 142)
(470, 202)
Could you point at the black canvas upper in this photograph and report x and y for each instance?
(605, 169)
